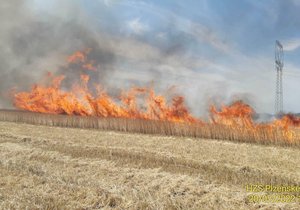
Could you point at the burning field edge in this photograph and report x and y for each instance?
(208, 131)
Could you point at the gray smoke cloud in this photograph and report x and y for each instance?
(33, 42)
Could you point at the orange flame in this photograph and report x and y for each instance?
(136, 103)
(287, 121)
(81, 58)
(237, 114)
(80, 101)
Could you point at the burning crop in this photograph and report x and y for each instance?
(233, 122)
(83, 101)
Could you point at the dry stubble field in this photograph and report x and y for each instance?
(63, 168)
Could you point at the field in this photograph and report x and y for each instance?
(43, 167)
(259, 134)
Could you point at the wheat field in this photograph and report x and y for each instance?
(259, 135)
(44, 167)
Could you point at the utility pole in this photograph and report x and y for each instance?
(279, 67)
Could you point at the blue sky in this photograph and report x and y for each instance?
(208, 48)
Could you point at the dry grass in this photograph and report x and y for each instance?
(261, 135)
(63, 168)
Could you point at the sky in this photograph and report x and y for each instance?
(211, 50)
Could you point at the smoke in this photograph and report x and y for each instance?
(291, 45)
(34, 41)
(32, 44)
(11, 15)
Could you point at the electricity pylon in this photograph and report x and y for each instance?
(279, 67)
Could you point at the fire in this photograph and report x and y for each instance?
(240, 115)
(81, 58)
(135, 103)
(80, 100)
(237, 114)
(287, 121)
